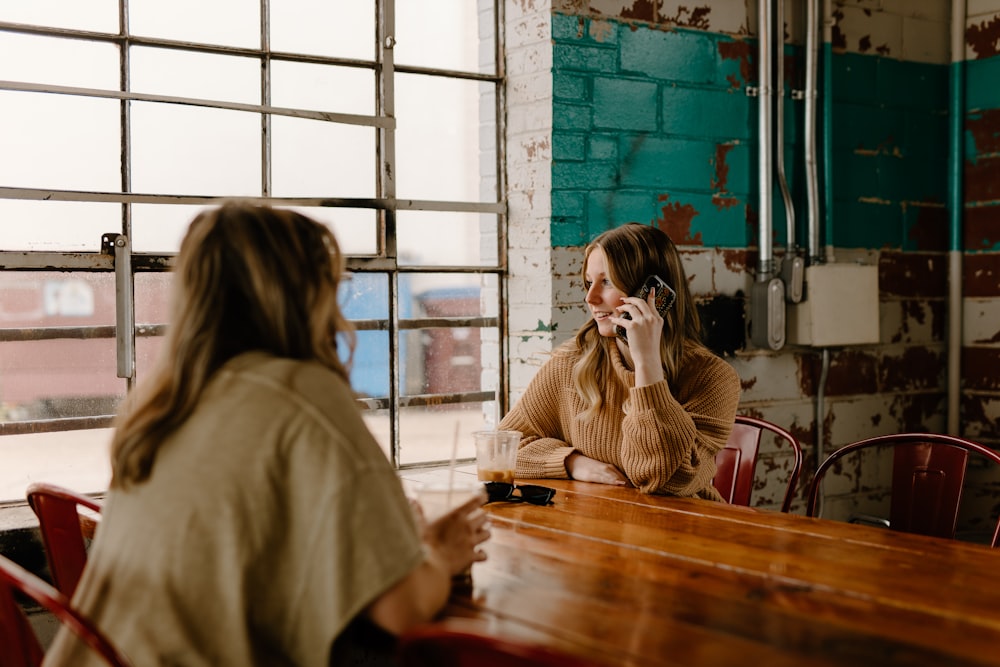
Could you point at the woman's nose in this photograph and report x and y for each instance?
(593, 295)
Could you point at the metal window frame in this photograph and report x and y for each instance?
(117, 257)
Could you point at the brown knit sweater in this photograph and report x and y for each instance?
(665, 443)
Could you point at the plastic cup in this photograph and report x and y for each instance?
(496, 455)
(438, 498)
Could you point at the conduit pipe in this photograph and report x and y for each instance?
(791, 265)
(814, 242)
(812, 179)
(812, 188)
(765, 123)
(767, 297)
(955, 210)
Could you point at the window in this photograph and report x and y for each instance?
(377, 117)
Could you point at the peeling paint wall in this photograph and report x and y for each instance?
(650, 122)
(980, 399)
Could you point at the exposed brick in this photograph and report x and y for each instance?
(981, 275)
(852, 372)
(911, 274)
(916, 367)
(981, 227)
(981, 369)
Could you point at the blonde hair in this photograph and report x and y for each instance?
(248, 277)
(633, 252)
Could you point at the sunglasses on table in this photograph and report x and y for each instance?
(527, 493)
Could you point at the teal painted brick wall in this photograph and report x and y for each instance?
(982, 154)
(890, 138)
(654, 125)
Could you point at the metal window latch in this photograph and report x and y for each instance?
(118, 246)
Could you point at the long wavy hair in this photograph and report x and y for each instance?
(633, 252)
(247, 277)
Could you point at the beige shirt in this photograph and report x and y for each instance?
(271, 519)
(663, 438)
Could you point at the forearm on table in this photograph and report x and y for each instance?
(663, 451)
(417, 598)
(543, 458)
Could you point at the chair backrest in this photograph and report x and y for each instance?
(455, 643)
(63, 530)
(19, 647)
(735, 463)
(928, 471)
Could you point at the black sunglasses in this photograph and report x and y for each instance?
(528, 493)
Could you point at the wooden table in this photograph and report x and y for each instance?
(629, 579)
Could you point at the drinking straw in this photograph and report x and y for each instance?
(451, 465)
(496, 405)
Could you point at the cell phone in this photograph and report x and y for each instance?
(664, 300)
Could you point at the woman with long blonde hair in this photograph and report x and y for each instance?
(252, 518)
(635, 398)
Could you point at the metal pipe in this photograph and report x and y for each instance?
(821, 405)
(828, 256)
(779, 126)
(812, 179)
(765, 157)
(792, 266)
(767, 296)
(955, 210)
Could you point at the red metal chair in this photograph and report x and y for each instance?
(928, 472)
(64, 530)
(736, 462)
(466, 644)
(19, 647)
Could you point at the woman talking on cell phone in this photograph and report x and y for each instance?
(635, 398)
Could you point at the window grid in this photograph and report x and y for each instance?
(384, 261)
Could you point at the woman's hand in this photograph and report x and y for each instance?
(450, 547)
(644, 332)
(456, 535)
(587, 469)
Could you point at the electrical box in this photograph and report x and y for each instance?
(841, 306)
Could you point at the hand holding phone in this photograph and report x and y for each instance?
(663, 301)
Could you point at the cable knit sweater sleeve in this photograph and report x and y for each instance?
(539, 416)
(664, 439)
(670, 436)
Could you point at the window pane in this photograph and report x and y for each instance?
(62, 142)
(314, 158)
(444, 360)
(323, 87)
(438, 140)
(160, 228)
(320, 27)
(365, 297)
(440, 238)
(189, 150)
(427, 434)
(56, 225)
(450, 41)
(97, 15)
(201, 75)
(152, 298)
(152, 305)
(57, 61)
(449, 295)
(356, 229)
(229, 22)
(46, 379)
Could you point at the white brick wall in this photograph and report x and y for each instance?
(528, 36)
